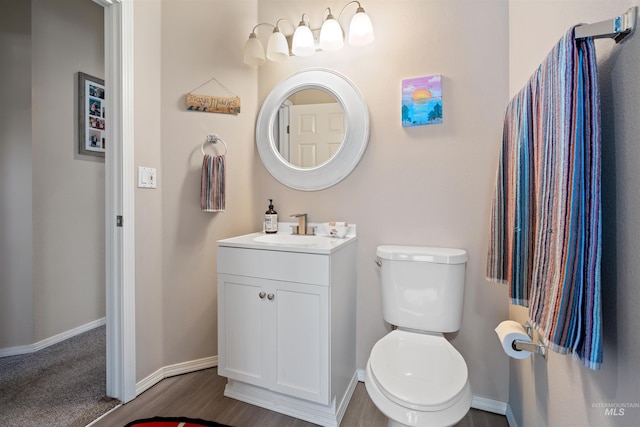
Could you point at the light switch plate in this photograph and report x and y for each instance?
(147, 177)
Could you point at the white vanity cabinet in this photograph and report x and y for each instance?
(275, 335)
(286, 327)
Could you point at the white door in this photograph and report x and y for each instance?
(316, 133)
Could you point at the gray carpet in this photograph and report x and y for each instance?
(61, 385)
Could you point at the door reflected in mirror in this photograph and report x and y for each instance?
(309, 128)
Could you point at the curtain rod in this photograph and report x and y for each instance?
(617, 28)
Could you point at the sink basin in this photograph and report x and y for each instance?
(293, 239)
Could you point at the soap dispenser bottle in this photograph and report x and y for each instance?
(271, 219)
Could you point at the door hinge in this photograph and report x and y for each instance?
(288, 129)
(119, 221)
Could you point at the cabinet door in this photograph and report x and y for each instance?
(301, 320)
(241, 352)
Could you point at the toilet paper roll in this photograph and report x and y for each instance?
(509, 331)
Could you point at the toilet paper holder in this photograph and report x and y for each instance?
(536, 347)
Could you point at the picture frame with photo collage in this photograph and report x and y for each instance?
(92, 115)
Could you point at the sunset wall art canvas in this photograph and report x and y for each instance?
(422, 101)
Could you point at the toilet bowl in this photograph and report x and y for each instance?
(418, 380)
(414, 375)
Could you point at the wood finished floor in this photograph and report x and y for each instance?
(200, 395)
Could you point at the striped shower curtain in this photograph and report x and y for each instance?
(545, 237)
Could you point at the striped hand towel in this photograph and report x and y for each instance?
(212, 186)
(545, 229)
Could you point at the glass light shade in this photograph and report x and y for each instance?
(331, 37)
(277, 48)
(303, 43)
(361, 29)
(253, 51)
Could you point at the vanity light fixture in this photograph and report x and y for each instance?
(361, 28)
(303, 42)
(253, 49)
(277, 48)
(331, 37)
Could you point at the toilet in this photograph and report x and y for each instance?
(414, 375)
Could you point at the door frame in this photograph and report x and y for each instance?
(119, 201)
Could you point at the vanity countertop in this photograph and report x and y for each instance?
(286, 242)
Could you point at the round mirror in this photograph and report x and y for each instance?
(312, 130)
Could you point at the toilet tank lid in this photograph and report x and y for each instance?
(422, 254)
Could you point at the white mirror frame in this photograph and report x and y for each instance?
(356, 138)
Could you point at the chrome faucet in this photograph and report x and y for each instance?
(301, 228)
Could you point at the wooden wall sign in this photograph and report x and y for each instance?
(213, 104)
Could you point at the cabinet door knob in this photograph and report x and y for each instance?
(271, 297)
(262, 295)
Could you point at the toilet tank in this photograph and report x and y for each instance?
(422, 287)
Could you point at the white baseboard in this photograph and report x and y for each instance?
(31, 348)
(489, 405)
(173, 370)
(478, 402)
(103, 415)
(328, 415)
(510, 419)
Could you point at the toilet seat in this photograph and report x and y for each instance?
(418, 371)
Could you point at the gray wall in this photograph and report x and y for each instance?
(148, 202)
(560, 391)
(16, 206)
(428, 185)
(179, 46)
(53, 200)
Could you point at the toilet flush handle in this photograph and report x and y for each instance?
(378, 262)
